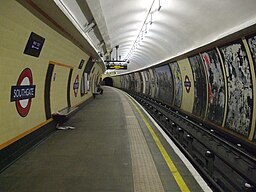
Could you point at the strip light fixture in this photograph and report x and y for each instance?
(144, 29)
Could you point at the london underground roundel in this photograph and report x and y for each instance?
(76, 85)
(23, 92)
(187, 84)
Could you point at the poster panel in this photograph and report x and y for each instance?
(152, 76)
(147, 82)
(122, 81)
(143, 82)
(132, 82)
(127, 82)
(155, 84)
(252, 46)
(216, 86)
(138, 82)
(188, 85)
(164, 83)
(177, 80)
(200, 90)
(240, 90)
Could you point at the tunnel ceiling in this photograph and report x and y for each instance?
(169, 27)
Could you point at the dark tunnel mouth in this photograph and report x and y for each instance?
(108, 81)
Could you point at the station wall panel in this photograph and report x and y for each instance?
(250, 46)
(200, 87)
(164, 84)
(153, 86)
(119, 81)
(59, 86)
(240, 87)
(188, 85)
(216, 86)
(16, 27)
(144, 82)
(148, 82)
(177, 80)
(138, 82)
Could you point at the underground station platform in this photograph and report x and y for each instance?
(115, 146)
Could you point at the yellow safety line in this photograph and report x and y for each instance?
(181, 183)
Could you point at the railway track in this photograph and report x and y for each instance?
(223, 164)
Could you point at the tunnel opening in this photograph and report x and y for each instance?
(108, 81)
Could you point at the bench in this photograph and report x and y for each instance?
(62, 116)
(98, 92)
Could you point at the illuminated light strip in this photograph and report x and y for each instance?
(186, 162)
(178, 178)
(60, 64)
(137, 40)
(11, 141)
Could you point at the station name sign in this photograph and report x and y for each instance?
(22, 92)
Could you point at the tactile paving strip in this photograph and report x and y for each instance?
(145, 174)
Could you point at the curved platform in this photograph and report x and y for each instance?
(115, 147)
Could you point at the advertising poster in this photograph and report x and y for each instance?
(126, 82)
(164, 84)
(153, 85)
(144, 82)
(252, 46)
(240, 90)
(177, 78)
(138, 82)
(122, 81)
(216, 86)
(200, 85)
(147, 82)
(131, 82)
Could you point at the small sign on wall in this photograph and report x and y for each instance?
(81, 64)
(34, 45)
(76, 85)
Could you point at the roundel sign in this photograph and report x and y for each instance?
(76, 85)
(23, 92)
(187, 84)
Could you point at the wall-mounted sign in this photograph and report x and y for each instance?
(187, 84)
(54, 76)
(76, 85)
(81, 64)
(23, 92)
(116, 66)
(34, 45)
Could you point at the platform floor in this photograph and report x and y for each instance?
(112, 149)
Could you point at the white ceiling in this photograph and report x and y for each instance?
(179, 26)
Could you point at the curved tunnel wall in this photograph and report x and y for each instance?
(215, 85)
(34, 87)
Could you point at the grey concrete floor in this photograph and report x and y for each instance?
(95, 157)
